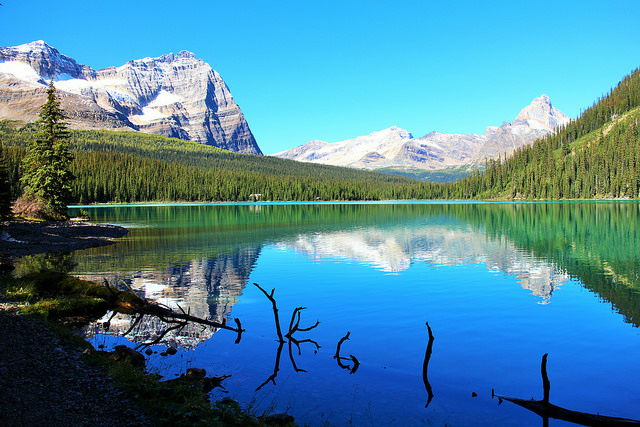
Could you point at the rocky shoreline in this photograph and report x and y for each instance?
(20, 238)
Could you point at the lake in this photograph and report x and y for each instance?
(500, 284)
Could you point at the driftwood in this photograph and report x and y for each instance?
(425, 365)
(355, 362)
(140, 307)
(548, 410)
(294, 326)
(276, 368)
(275, 310)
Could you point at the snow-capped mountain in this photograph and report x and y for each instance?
(361, 150)
(172, 95)
(397, 148)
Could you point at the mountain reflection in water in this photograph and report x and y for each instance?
(208, 288)
(538, 244)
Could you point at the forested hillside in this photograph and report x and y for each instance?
(597, 155)
(594, 156)
(134, 167)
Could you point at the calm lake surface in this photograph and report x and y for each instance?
(500, 284)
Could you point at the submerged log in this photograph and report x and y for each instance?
(548, 410)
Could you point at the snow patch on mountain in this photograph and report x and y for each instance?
(148, 115)
(164, 98)
(21, 71)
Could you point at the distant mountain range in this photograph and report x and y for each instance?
(397, 148)
(172, 95)
(183, 97)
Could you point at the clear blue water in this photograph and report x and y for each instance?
(500, 285)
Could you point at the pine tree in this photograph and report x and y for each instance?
(47, 177)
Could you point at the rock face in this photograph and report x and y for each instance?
(173, 95)
(396, 148)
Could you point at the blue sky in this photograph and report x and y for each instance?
(333, 70)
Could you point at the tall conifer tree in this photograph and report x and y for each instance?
(47, 177)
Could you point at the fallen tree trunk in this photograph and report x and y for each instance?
(127, 302)
(548, 410)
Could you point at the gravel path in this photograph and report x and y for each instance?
(42, 382)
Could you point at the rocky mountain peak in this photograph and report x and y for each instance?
(541, 114)
(402, 133)
(44, 59)
(172, 95)
(170, 57)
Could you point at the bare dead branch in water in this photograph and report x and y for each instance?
(140, 307)
(179, 327)
(548, 410)
(546, 385)
(294, 326)
(355, 362)
(275, 311)
(106, 325)
(293, 360)
(425, 366)
(276, 368)
(137, 320)
(238, 329)
(343, 339)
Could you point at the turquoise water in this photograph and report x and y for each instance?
(499, 283)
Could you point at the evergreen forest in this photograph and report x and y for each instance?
(596, 155)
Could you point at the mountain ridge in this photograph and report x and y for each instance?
(175, 95)
(395, 147)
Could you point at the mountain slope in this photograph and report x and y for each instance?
(386, 144)
(172, 95)
(397, 149)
